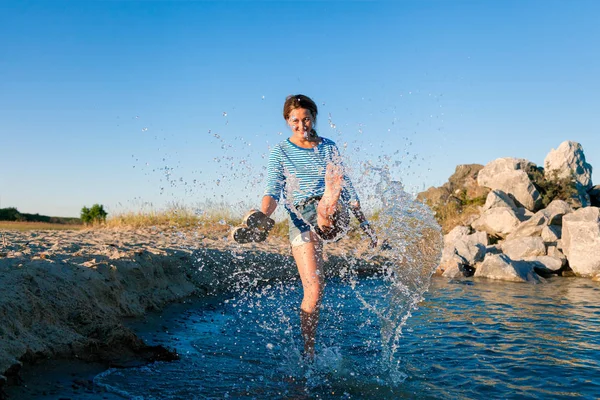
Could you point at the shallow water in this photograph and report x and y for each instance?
(469, 339)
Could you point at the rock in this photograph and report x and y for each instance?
(472, 247)
(581, 199)
(581, 241)
(498, 222)
(469, 246)
(463, 183)
(596, 278)
(551, 233)
(456, 268)
(554, 251)
(501, 267)
(465, 178)
(546, 265)
(462, 249)
(434, 196)
(497, 198)
(493, 249)
(450, 262)
(566, 161)
(551, 215)
(521, 248)
(456, 233)
(594, 194)
(510, 176)
(523, 214)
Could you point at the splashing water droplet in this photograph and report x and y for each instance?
(224, 114)
(144, 129)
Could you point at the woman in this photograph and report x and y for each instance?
(308, 171)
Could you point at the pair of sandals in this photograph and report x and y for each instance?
(255, 228)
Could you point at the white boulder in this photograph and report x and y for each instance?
(551, 233)
(547, 264)
(510, 176)
(501, 267)
(499, 221)
(462, 249)
(566, 161)
(551, 215)
(581, 241)
(521, 248)
(497, 198)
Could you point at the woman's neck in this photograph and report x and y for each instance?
(303, 142)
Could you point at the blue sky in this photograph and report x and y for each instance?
(130, 103)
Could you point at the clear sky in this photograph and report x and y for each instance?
(130, 103)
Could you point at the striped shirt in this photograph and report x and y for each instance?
(299, 173)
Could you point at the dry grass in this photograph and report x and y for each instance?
(37, 226)
(214, 223)
(450, 216)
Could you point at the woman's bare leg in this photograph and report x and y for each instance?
(309, 260)
(329, 202)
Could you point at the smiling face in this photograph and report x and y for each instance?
(301, 122)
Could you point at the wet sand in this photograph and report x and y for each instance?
(74, 379)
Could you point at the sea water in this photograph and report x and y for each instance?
(467, 339)
(384, 335)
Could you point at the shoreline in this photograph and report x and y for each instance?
(75, 379)
(67, 292)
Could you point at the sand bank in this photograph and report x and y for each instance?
(65, 293)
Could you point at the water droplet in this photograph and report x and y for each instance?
(144, 129)
(224, 114)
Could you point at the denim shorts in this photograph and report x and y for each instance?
(301, 222)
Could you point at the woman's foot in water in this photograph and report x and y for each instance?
(329, 202)
(308, 325)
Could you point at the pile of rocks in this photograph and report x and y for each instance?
(514, 239)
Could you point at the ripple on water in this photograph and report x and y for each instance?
(465, 341)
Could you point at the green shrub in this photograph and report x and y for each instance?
(96, 214)
(553, 188)
(11, 214)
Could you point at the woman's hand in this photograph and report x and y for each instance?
(364, 224)
(370, 232)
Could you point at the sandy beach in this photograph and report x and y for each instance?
(65, 293)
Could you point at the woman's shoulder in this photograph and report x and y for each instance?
(327, 142)
(279, 146)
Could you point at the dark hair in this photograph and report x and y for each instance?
(299, 101)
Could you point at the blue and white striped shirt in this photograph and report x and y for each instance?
(299, 173)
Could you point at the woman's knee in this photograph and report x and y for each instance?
(312, 298)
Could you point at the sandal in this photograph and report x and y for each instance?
(243, 234)
(338, 230)
(258, 220)
(255, 228)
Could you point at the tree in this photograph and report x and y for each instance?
(96, 214)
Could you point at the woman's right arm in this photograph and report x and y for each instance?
(275, 182)
(268, 205)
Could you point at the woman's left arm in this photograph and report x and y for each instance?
(364, 223)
